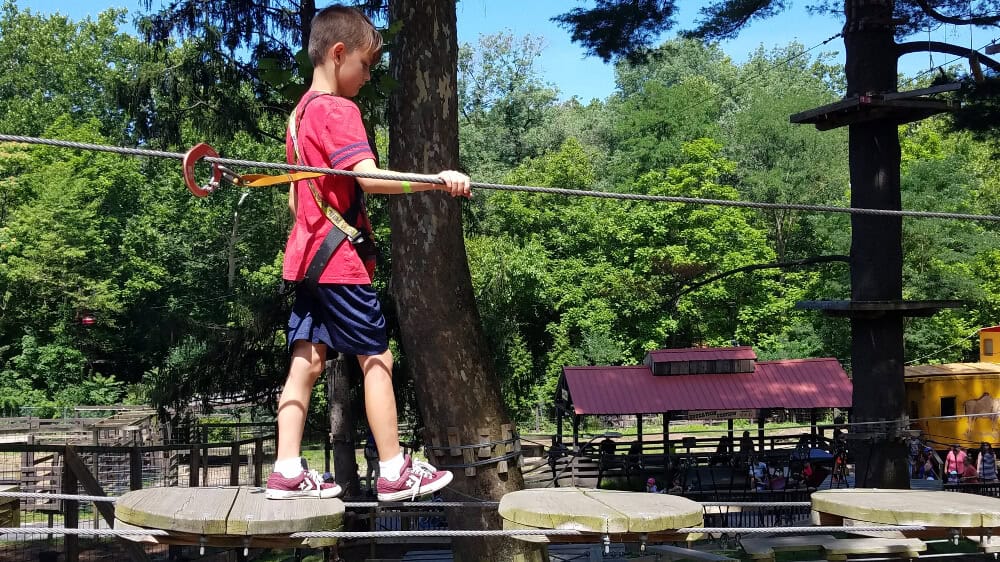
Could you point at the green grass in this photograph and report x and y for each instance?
(279, 556)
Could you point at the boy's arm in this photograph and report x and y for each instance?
(455, 183)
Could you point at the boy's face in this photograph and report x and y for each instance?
(352, 68)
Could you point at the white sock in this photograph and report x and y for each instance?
(390, 468)
(289, 468)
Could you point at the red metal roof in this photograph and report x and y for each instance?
(702, 354)
(991, 329)
(791, 383)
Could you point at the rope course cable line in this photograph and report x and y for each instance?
(347, 504)
(915, 77)
(504, 187)
(755, 77)
(469, 532)
(392, 505)
(82, 532)
(568, 532)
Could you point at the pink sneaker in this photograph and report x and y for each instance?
(308, 484)
(417, 478)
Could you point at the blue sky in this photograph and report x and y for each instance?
(565, 64)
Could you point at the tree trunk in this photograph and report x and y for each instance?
(442, 337)
(876, 253)
(345, 464)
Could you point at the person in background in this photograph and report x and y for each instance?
(677, 487)
(986, 463)
(925, 465)
(954, 463)
(651, 486)
(969, 473)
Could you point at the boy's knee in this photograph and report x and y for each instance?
(381, 361)
(315, 369)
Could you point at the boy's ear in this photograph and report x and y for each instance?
(335, 52)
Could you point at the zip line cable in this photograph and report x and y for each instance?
(504, 187)
(755, 77)
(915, 77)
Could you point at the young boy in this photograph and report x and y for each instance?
(335, 306)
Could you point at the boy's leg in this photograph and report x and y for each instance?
(290, 479)
(306, 366)
(380, 403)
(400, 477)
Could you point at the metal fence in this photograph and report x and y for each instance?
(115, 470)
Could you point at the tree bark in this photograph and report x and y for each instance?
(338, 394)
(876, 252)
(442, 336)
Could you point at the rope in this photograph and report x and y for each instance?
(503, 187)
(798, 530)
(384, 505)
(756, 504)
(435, 533)
(387, 505)
(573, 532)
(82, 532)
(44, 496)
(356, 505)
(464, 532)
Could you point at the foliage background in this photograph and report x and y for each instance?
(187, 294)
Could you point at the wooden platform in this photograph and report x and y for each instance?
(599, 511)
(763, 549)
(227, 516)
(941, 510)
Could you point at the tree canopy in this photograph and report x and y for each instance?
(186, 292)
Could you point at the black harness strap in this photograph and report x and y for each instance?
(363, 244)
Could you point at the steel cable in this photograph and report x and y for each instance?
(504, 187)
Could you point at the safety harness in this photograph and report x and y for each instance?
(345, 227)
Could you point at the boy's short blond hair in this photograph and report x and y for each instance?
(341, 24)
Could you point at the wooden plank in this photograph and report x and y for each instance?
(676, 552)
(909, 507)
(561, 508)
(764, 548)
(71, 516)
(75, 465)
(986, 544)
(649, 513)
(599, 511)
(224, 541)
(234, 466)
(253, 514)
(202, 511)
(841, 548)
(258, 461)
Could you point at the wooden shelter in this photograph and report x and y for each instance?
(729, 382)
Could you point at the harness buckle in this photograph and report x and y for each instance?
(231, 176)
(191, 157)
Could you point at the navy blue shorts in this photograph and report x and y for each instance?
(347, 318)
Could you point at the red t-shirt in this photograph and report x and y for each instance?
(331, 135)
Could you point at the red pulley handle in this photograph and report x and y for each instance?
(191, 157)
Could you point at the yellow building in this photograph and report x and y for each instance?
(962, 399)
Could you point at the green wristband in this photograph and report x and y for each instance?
(406, 187)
